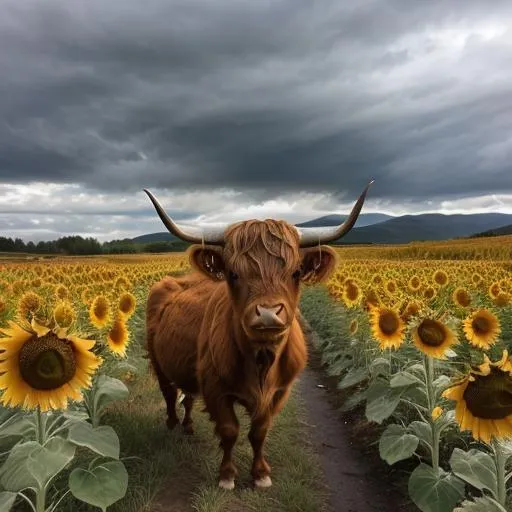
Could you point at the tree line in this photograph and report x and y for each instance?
(77, 245)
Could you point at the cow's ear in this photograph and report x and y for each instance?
(208, 260)
(318, 263)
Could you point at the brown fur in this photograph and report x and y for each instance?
(199, 337)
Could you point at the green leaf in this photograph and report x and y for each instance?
(14, 474)
(423, 431)
(441, 383)
(18, 424)
(396, 444)
(381, 401)
(476, 468)
(45, 462)
(100, 486)
(379, 366)
(7, 500)
(353, 400)
(353, 377)
(404, 379)
(433, 491)
(102, 440)
(107, 390)
(484, 504)
(75, 415)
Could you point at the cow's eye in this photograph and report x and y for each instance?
(233, 276)
(296, 274)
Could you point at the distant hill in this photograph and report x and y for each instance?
(504, 230)
(432, 226)
(365, 219)
(162, 236)
(383, 229)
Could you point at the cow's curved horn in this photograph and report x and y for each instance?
(193, 234)
(310, 237)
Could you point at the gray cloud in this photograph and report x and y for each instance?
(266, 98)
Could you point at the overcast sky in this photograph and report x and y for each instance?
(233, 109)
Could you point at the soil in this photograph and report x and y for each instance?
(358, 480)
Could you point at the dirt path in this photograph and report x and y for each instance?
(355, 480)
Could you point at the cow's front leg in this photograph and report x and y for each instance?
(260, 468)
(226, 427)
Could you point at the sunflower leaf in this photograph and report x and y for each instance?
(102, 440)
(476, 468)
(380, 366)
(423, 431)
(382, 401)
(7, 500)
(484, 504)
(102, 486)
(107, 390)
(397, 444)
(16, 425)
(354, 400)
(404, 379)
(45, 462)
(14, 474)
(435, 491)
(353, 377)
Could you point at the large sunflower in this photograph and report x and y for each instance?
(433, 337)
(387, 327)
(482, 328)
(44, 367)
(484, 400)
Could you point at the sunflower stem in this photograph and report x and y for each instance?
(429, 374)
(41, 499)
(39, 426)
(500, 460)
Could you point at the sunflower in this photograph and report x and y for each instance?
(127, 303)
(502, 299)
(64, 314)
(29, 305)
(482, 328)
(440, 277)
(429, 293)
(433, 337)
(484, 400)
(387, 327)
(414, 283)
(43, 367)
(461, 297)
(410, 309)
(99, 312)
(494, 290)
(351, 293)
(118, 336)
(437, 412)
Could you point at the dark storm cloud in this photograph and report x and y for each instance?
(270, 97)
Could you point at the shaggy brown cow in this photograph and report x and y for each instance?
(229, 331)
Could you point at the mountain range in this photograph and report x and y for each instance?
(384, 229)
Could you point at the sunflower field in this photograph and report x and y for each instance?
(422, 346)
(65, 328)
(426, 350)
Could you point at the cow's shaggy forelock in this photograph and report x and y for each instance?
(249, 245)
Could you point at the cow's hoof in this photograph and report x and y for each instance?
(171, 423)
(263, 482)
(228, 484)
(188, 428)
